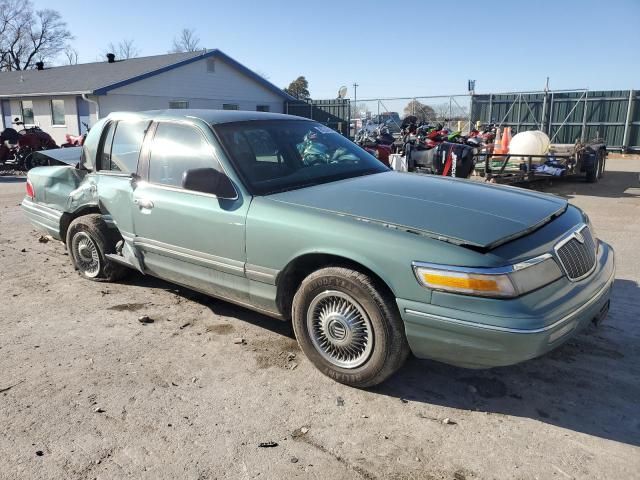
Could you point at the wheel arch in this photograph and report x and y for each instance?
(69, 217)
(292, 275)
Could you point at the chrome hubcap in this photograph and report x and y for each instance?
(86, 254)
(340, 330)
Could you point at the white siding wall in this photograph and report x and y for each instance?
(202, 89)
(42, 115)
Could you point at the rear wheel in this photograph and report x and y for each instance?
(349, 327)
(89, 239)
(593, 172)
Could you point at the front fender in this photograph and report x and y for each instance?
(278, 233)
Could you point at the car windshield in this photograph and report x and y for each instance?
(278, 155)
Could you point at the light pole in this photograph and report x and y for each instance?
(355, 97)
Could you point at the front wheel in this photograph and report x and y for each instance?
(349, 327)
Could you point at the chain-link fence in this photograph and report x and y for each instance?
(452, 111)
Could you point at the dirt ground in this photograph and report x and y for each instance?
(87, 391)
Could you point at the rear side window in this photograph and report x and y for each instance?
(90, 146)
(121, 154)
(177, 148)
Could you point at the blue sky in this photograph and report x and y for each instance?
(390, 48)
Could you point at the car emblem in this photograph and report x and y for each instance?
(579, 237)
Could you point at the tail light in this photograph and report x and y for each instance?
(30, 192)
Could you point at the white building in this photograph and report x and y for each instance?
(61, 99)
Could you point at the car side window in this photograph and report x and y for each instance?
(175, 149)
(105, 153)
(120, 154)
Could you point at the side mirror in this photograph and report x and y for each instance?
(209, 180)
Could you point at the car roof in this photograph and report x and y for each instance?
(208, 116)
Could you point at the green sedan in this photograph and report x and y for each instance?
(284, 216)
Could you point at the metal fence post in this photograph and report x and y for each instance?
(544, 111)
(627, 123)
(490, 119)
(584, 116)
(551, 115)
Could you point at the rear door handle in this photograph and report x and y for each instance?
(143, 203)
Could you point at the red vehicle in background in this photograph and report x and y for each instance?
(378, 143)
(17, 147)
(75, 140)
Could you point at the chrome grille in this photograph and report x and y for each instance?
(577, 253)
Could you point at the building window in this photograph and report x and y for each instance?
(57, 112)
(262, 108)
(179, 104)
(230, 106)
(27, 112)
(211, 65)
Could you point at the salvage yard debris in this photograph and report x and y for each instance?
(267, 444)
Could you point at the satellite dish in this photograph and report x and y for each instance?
(342, 92)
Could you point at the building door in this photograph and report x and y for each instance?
(6, 113)
(83, 114)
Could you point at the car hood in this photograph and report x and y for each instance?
(458, 211)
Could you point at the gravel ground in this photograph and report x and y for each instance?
(87, 391)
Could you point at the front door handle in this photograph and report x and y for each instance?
(143, 203)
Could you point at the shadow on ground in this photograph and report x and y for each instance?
(11, 178)
(589, 385)
(614, 184)
(218, 307)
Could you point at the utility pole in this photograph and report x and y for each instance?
(355, 97)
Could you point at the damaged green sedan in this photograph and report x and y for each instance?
(284, 216)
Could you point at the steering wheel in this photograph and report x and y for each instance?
(313, 160)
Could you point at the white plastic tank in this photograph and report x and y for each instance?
(533, 142)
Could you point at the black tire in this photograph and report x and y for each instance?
(87, 236)
(389, 348)
(592, 173)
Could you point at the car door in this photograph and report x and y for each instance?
(191, 238)
(117, 163)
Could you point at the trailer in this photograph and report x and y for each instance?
(562, 161)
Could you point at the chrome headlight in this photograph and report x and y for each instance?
(502, 282)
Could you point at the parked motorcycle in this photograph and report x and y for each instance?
(17, 146)
(378, 143)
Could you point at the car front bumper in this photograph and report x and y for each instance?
(538, 322)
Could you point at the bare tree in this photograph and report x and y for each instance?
(27, 36)
(71, 54)
(124, 49)
(186, 41)
(424, 113)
